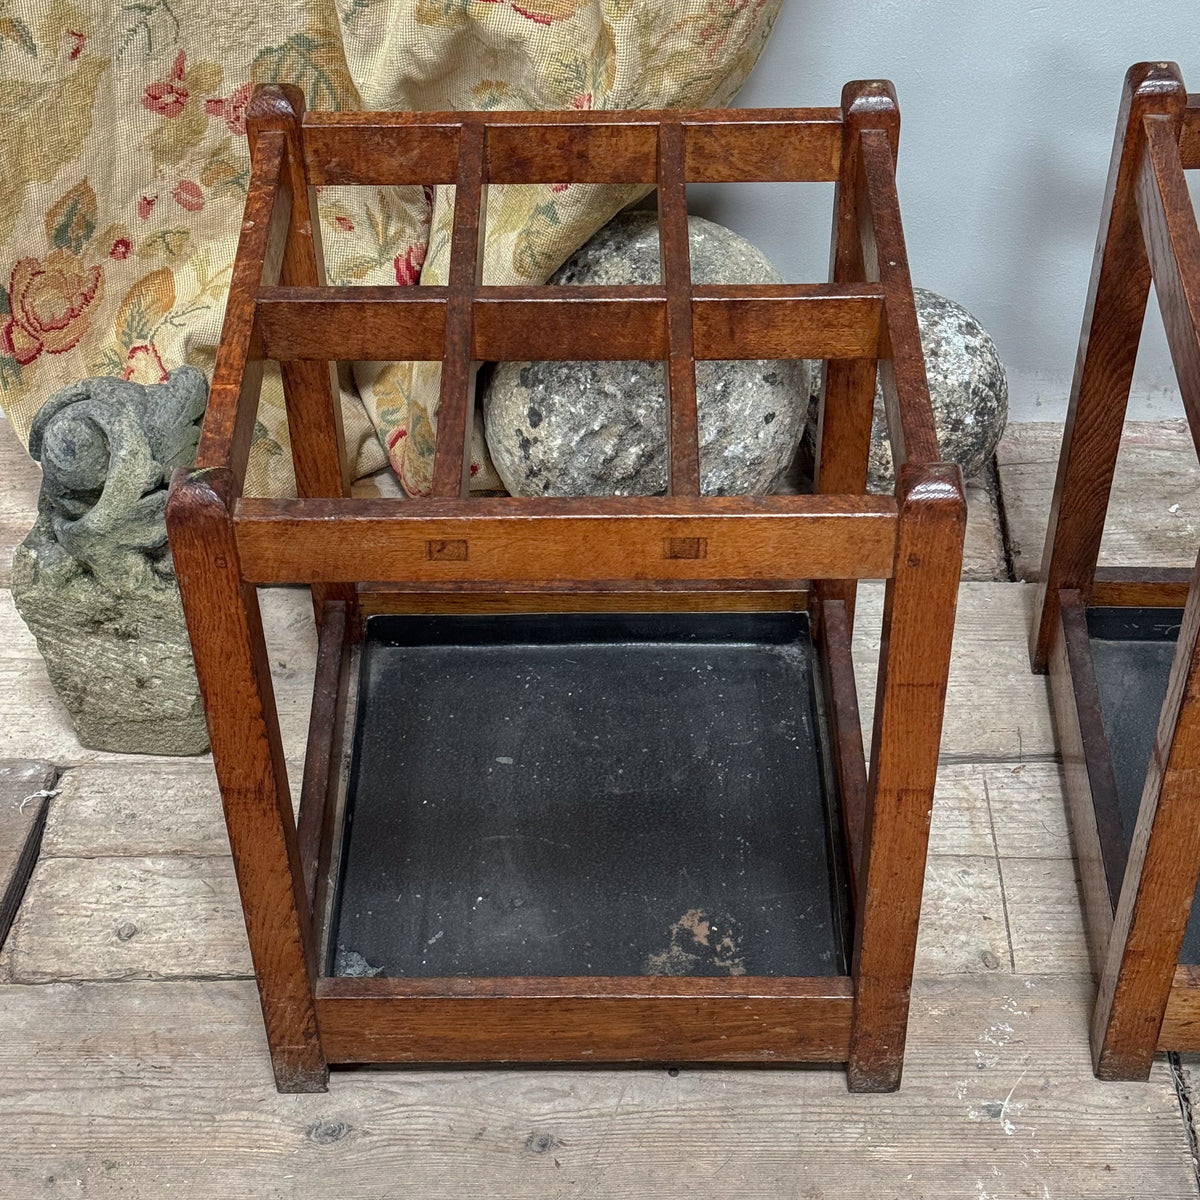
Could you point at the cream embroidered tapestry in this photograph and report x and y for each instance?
(123, 168)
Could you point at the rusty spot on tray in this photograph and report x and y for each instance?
(700, 945)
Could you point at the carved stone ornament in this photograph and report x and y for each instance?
(94, 580)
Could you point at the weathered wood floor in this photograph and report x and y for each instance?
(132, 1061)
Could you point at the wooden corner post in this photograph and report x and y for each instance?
(310, 386)
(848, 393)
(914, 664)
(235, 679)
(918, 625)
(1108, 344)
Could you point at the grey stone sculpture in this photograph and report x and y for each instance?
(599, 428)
(967, 387)
(94, 580)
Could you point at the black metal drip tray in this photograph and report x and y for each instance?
(1132, 652)
(589, 794)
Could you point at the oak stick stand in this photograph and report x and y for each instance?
(1121, 645)
(703, 582)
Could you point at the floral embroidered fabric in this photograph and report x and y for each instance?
(123, 168)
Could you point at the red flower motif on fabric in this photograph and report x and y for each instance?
(408, 265)
(395, 436)
(582, 101)
(145, 204)
(49, 303)
(120, 248)
(168, 97)
(143, 364)
(232, 108)
(188, 195)
(344, 223)
(77, 41)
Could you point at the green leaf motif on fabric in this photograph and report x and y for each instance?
(444, 12)
(10, 369)
(264, 441)
(13, 29)
(171, 244)
(152, 23)
(71, 220)
(298, 61)
(530, 255)
(354, 9)
(109, 363)
(225, 172)
(10, 373)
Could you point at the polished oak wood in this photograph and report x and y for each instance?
(1137, 903)
(684, 551)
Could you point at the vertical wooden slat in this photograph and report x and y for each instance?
(848, 395)
(902, 367)
(683, 437)
(1112, 327)
(914, 663)
(225, 625)
(845, 731)
(456, 404)
(323, 754)
(310, 388)
(1160, 876)
(1173, 246)
(237, 375)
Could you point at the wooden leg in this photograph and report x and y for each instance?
(914, 663)
(1160, 876)
(1112, 326)
(235, 679)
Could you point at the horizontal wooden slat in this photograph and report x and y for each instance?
(380, 149)
(361, 324)
(581, 540)
(787, 321)
(556, 152)
(1155, 587)
(765, 146)
(1180, 1029)
(574, 147)
(569, 323)
(1189, 138)
(563, 323)
(597, 1020)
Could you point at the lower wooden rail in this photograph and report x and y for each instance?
(592, 1019)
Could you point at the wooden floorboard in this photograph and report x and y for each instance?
(24, 799)
(162, 1089)
(995, 708)
(1154, 514)
(132, 1061)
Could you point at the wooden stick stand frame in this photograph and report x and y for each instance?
(1131, 780)
(681, 552)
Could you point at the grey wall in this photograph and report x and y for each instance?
(1008, 113)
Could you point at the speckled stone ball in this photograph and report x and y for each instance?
(967, 388)
(599, 428)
